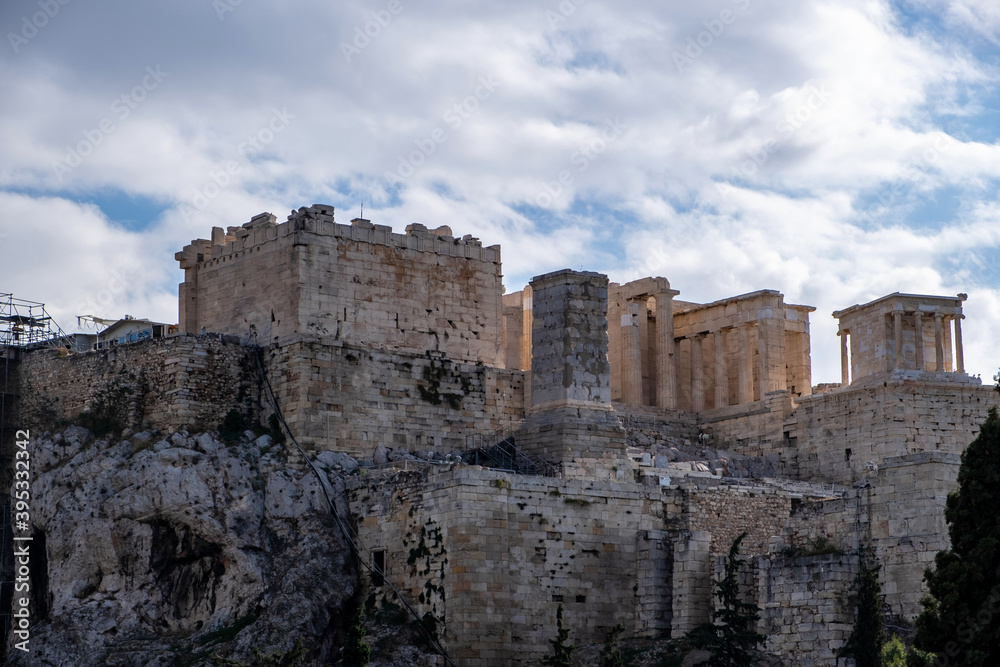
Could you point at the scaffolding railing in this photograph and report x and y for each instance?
(25, 323)
(497, 451)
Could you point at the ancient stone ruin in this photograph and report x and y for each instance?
(579, 442)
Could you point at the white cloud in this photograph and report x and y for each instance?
(789, 154)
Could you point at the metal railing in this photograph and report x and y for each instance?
(498, 451)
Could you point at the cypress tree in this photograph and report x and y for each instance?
(731, 637)
(960, 621)
(611, 654)
(562, 653)
(868, 637)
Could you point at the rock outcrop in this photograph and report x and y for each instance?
(169, 551)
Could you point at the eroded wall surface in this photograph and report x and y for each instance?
(349, 398)
(423, 290)
(492, 555)
(166, 383)
(839, 433)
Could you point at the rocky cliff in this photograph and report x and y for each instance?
(183, 550)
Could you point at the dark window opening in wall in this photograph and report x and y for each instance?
(796, 505)
(378, 568)
(847, 454)
(581, 598)
(557, 598)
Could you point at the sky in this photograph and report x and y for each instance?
(833, 151)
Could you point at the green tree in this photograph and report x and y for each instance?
(562, 653)
(868, 637)
(731, 637)
(357, 652)
(893, 653)
(960, 620)
(611, 654)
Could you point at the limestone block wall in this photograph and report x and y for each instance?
(570, 414)
(342, 397)
(726, 512)
(805, 605)
(570, 340)
(761, 428)
(839, 432)
(516, 548)
(174, 382)
(907, 522)
(361, 283)
(899, 512)
(497, 553)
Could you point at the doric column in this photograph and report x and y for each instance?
(677, 362)
(959, 352)
(938, 342)
(762, 359)
(845, 361)
(746, 366)
(721, 374)
(666, 360)
(918, 340)
(697, 373)
(631, 356)
(897, 332)
(526, 324)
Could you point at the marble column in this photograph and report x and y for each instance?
(666, 359)
(845, 361)
(721, 374)
(526, 327)
(897, 332)
(746, 366)
(938, 342)
(959, 352)
(918, 340)
(631, 356)
(697, 373)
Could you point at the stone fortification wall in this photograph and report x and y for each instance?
(492, 555)
(761, 428)
(907, 522)
(898, 510)
(166, 383)
(361, 283)
(516, 547)
(805, 605)
(342, 397)
(838, 433)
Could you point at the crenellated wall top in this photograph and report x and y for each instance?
(318, 219)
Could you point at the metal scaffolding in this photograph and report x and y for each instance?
(23, 325)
